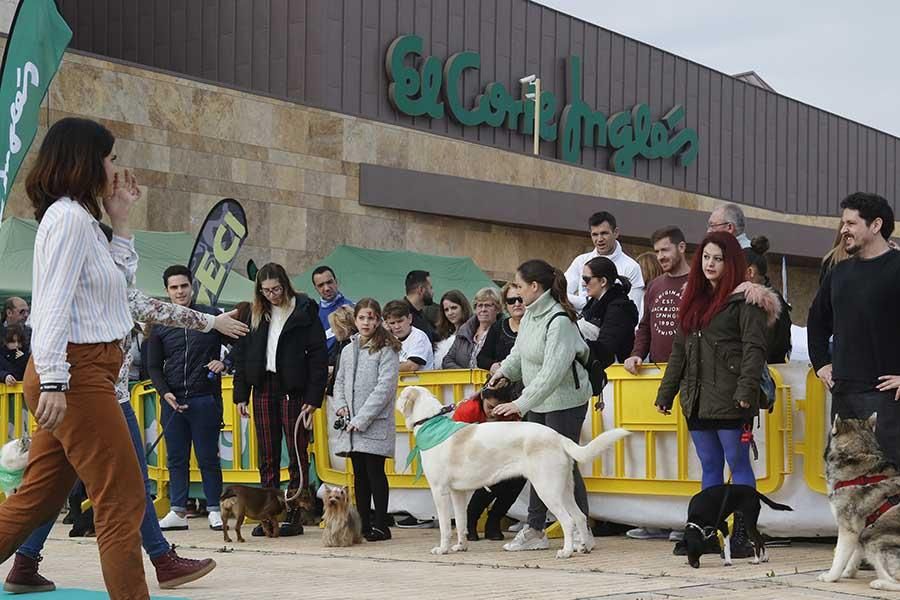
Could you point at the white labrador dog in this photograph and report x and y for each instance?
(476, 457)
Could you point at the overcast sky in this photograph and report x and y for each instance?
(839, 55)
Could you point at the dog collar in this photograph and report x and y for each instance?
(706, 535)
(889, 503)
(444, 411)
(863, 480)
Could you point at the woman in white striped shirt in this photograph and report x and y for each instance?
(79, 315)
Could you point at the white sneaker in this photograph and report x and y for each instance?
(676, 536)
(528, 539)
(648, 533)
(172, 522)
(215, 520)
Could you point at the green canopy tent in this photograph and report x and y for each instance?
(381, 274)
(157, 250)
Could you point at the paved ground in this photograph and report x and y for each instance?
(619, 568)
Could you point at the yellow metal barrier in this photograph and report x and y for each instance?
(814, 409)
(244, 467)
(632, 403)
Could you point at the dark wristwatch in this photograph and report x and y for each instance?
(54, 387)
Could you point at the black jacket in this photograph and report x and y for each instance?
(177, 359)
(778, 338)
(301, 360)
(13, 362)
(497, 345)
(617, 317)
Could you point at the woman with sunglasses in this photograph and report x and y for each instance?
(610, 316)
(502, 335)
(284, 362)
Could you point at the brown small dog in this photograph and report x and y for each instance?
(343, 526)
(262, 504)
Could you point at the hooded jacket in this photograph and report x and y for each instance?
(301, 358)
(718, 367)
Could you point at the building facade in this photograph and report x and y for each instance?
(403, 124)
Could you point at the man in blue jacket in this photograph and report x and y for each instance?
(185, 368)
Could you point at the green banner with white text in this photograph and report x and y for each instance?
(37, 40)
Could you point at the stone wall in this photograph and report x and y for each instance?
(295, 169)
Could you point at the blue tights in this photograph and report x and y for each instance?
(714, 447)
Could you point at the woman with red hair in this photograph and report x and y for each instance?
(718, 357)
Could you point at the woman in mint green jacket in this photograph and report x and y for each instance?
(547, 359)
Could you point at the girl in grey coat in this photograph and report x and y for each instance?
(364, 392)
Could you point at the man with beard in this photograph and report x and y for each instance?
(419, 295)
(857, 303)
(656, 331)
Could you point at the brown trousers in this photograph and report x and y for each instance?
(92, 443)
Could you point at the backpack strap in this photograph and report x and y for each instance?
(574, 368)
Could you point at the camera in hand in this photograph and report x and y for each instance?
(341, 422)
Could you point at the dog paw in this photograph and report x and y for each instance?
(880, 584)
(827, 577)
(563, 553)
(582, 549)
(726, 563)
(438, 550)
(458, 548)
(755, 561)
(849, 574)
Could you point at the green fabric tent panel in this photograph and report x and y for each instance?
(381, 274)
(157, 251)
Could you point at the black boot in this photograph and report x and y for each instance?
(741, 547)
(293, 526)
(492, 529)
(472, 525)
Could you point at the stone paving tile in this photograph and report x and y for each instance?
(618, 569)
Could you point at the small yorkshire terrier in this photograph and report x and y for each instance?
(343, 526)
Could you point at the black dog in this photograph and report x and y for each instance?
(718, 503)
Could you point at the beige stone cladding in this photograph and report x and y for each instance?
(295, 170)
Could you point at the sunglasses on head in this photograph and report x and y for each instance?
(515, 300)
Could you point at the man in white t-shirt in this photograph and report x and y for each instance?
(417, 353)
(605, 236)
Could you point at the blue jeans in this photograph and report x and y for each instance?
(151, 536)
(199, 424)
(714, 447)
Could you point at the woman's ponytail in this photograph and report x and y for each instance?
(550, 278)
(624, 282)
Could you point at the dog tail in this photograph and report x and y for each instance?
(595, 447)
(773, 505)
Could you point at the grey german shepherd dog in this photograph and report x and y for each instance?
(864, 491)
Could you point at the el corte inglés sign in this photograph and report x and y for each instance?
(435, 90)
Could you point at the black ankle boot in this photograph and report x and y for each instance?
(472, 531)
(492, 528)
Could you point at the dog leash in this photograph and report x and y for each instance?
(708, 535)
(161, 434)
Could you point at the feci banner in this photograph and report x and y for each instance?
(37, 40)
(220, 238)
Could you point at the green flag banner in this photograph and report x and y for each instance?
(37, 40)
